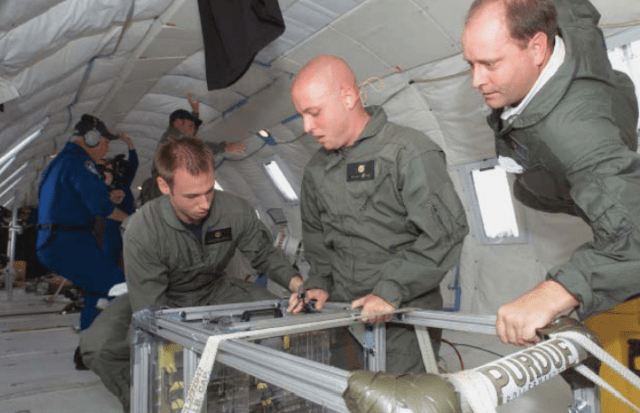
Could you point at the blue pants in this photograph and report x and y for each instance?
(112, 241)
(75, 255)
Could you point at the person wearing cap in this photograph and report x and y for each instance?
(183, 123)
(71, 195)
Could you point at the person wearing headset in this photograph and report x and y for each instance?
(72, 194)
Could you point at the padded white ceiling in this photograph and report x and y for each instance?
(132, 62)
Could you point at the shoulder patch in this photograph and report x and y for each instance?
(90, 166)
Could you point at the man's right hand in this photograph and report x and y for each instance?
(235, 147)
(296, 302)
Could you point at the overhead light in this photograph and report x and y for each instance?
(139, 187)
(52, 155)
(266, 136)
(280, 181)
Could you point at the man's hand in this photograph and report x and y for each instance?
(235, 147)
(375, 306)
(295, 283)
(116, 196)
(296, 302)
(518, 320)
(124, 138)
(195, 105)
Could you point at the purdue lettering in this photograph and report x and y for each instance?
(513, 375)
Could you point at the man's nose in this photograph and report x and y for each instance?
(478, 77)
(308, 124)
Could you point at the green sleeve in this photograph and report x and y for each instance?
(216, 148)
(256, 243)
(605, 185)
(146, 276)
(436, 215)
(315, 251)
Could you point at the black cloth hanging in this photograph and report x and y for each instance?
(234, 31)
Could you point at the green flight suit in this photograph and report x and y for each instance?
(577, 142)
(166, 266)
(382, 217)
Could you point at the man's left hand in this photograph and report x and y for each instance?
(372, 305)
(519, 319)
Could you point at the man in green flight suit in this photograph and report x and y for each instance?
(381, 221)
(184, 124)
(176, 249)
(565, 122)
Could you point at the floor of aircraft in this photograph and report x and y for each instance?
(38, 374)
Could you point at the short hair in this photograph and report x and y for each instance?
(525, 18)
(189, 153)
(183, 114)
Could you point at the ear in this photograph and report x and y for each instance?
(540, 48)
(163, 185)
(349, 98)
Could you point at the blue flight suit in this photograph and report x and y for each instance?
(72, 193)
(112, 238)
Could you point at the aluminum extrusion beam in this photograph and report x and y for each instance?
(460, 322)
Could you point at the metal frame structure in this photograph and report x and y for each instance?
(316, 382)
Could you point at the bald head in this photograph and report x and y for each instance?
(325, 93)
(331, 72)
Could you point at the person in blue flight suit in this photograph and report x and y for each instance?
(122, 172)
(71, 195)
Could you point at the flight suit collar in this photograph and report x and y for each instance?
(74, 147)
(374, 126)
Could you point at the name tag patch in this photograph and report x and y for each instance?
(361, 171)
(215, 236)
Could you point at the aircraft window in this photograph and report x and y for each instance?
(494, 217)
(278, 176)
(218, 186)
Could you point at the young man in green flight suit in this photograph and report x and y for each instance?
(565, 122)
(381, 221)
(176, 249)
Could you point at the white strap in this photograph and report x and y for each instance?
(473, 388)
(607, 359)
(426, 349)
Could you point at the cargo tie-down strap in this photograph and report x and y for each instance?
(482, 397)
(198, 387)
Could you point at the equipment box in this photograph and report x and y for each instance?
(168, 345)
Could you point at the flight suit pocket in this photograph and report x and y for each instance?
(443, 221)
(609, 222)
(364, 192)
